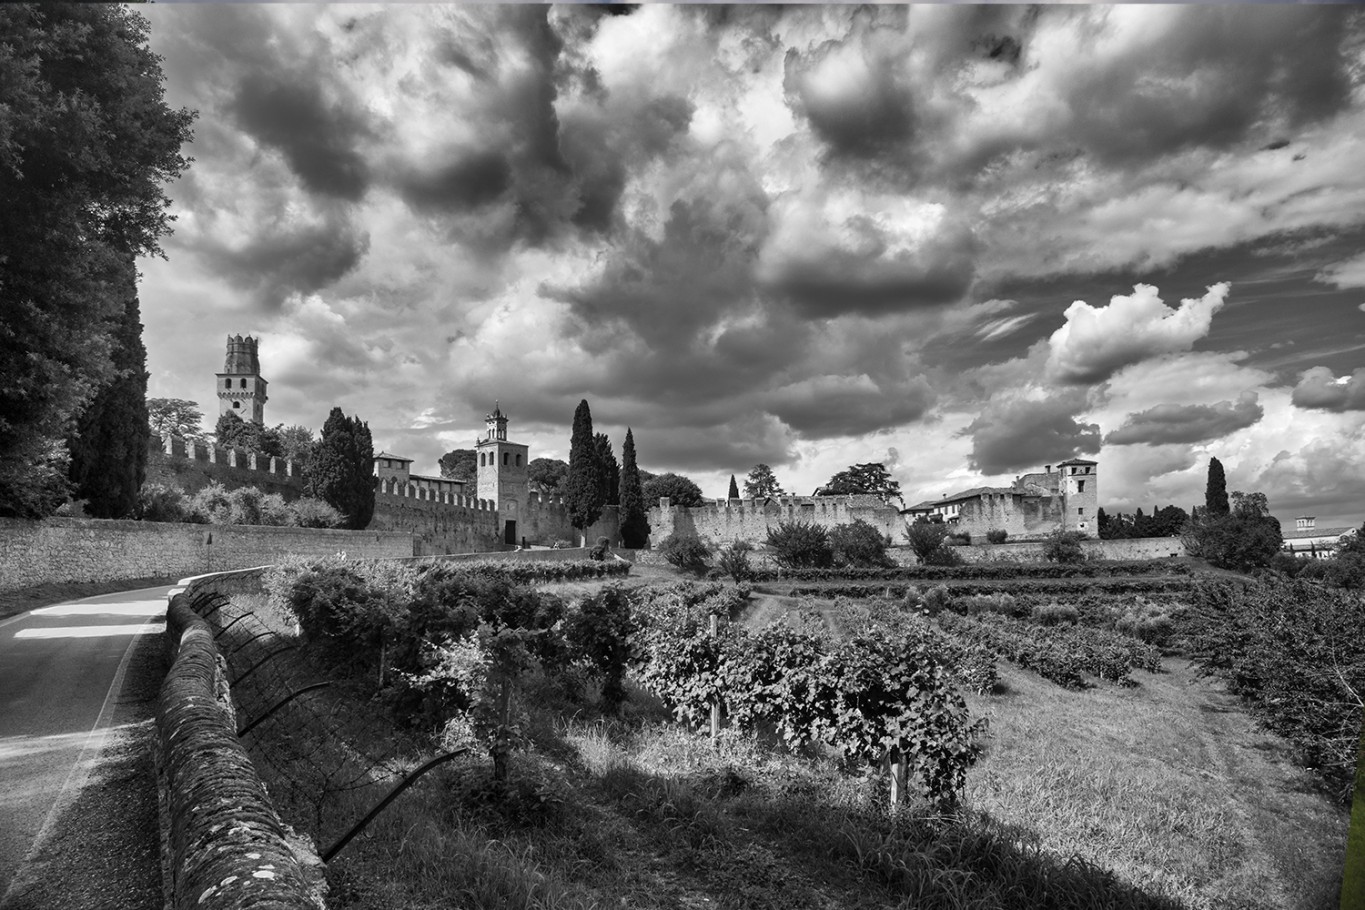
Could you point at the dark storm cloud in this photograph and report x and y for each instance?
(735, 445)
(876, 120)
(460, 185)
(1014, 435)
(1191, 423)
(871, 281)
(1319, 390)
(279, 261)
(318, 136)
(827, 407)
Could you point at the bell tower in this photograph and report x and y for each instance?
(241, 390)
(502, 471)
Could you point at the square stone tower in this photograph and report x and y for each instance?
(241, 390)
(502, 472)
(1080, 495)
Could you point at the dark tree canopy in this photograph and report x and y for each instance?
(734, 488)
(1216, 492)
(1247, 537)
(547, 475)
(1167, 521)
(87, 144)
(863, 478)
(609, 478)
(583, 496)
(342, 472)
(679, 490)
(175, 417)
(761, 483)
(634, 516)
(460, 464)
(109, 449)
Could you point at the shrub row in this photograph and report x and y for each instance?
(978, 572)
(1065, 655)
(1030, 587)
(1295, 651)
(525, 573)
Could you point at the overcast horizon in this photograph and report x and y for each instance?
(966, 242)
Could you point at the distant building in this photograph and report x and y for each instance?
(1307, 539)
(241, 390)
(1033, 506)
(388, 466)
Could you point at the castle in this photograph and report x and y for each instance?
(498, 509)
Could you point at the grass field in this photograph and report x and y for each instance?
(1164, 794)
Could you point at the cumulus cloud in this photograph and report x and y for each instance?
(1349, 273)
(1319, 389)
(1013, 434)
(1096, 342)
(1187, 423)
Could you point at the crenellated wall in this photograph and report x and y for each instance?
(545, 519)
(440, 522)
(193, 466)
(1021, 516)
(727, 520)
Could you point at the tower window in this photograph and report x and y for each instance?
(227, 383)
(1080, 510)
(1080, 486)
(243, 383)
(236, 405)
(518, 461)
(505, 459)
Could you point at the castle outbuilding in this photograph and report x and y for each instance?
(1034, 505)
(241, 390)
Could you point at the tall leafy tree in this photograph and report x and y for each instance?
(87, 144)
(342, 470)
(175, 417)
(460, 464)
(297, 443)
(546, 475)
(1216, 490)
(583, 496)
(109, 448)
(233, 432)
(634, 517)
(734, 488)
(681, 491)
(610, 471)
(761, 483)
(872, 478)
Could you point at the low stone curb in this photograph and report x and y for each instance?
(227, 848)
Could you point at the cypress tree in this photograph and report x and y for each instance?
(1216, 493)
(610, 477)
(734, 488)
(634, 519)
(583, 487)
(342, 469)
(109, 449)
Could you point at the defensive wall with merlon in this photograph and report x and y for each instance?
(727, 520)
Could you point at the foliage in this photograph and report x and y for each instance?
(997, 535)
(734, 489)
(609, 472)
(178, 417)
(109, 447)
(797, 545)
(233, 432)
(872, 478)
(460, 464)
(1246, 538)
(342, 470)
(761, 483)
(546, 475)
(296, 443)
(686, 551)
(929, 540)
(1163, 522)
(981, 571)
(1216, 491)
(1295, 651)
(314, 513)
(633, 516)
(599, 551)
(215, 504)
(859, 545)
(734, 560)
(679, 490)
(583, 496)
(87, 145)
(158, 502)
(1064, 546)
(601, 631)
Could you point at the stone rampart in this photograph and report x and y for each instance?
(724, 521)
(439, 522)
(1020, 516)
(227, 848)
(1032, 551)
(193, 466)
(545, 519)
(57, 550)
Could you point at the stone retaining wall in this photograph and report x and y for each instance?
(228, 849)
(59, 550)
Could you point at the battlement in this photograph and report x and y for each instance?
(394, 488)
(226, 455)
(242, 356)
(817, 505)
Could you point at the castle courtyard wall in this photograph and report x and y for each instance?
(68, 550)
(1019, 516)
(728, 520)
(193, 466)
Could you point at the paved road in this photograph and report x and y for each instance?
(76, 681)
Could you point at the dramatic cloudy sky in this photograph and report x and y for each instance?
(963, 241)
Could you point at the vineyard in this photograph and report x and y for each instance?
(871, 739)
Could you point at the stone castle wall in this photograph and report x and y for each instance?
(1020, 516)
(61, 550)
(727, 520)
(1032, 551)
(193, 466)
(545, 519)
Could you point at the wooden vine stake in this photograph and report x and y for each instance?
(715, 704)
(894, 763)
